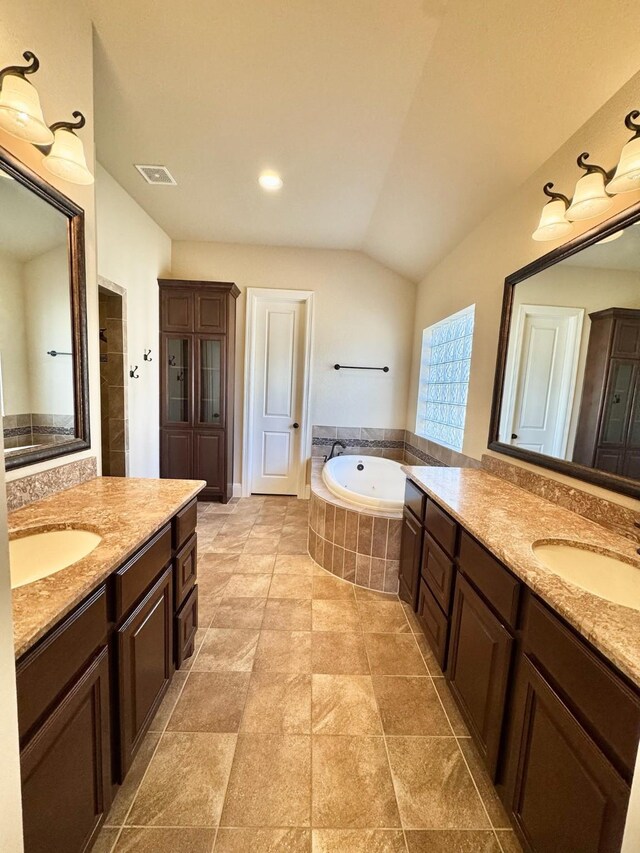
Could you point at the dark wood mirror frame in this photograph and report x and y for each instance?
(77, 292)
(615, 483)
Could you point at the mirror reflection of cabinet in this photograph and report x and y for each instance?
(608, 434)
(197, 332)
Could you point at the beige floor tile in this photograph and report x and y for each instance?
(358, 841)
(207, 606)
(338, 616)
(344, 705)
(293, 544)
(278, 703)
(409, 705)
(287, 614)
(290, 586)
(185, 782)
(211, 562)
(283, 651)
(167, 705)
(187, 665)
(363, 594)
(211, 702)
(270, 783)
(266, 545)
(332, 588)
(339, 654)
(127, 791)
(239, 613)
(165, 840)
(382, 617)
(106, 839)
(251, 564)
(452, 841)
(293, 564)
(264, 531)
(394, 654)
(248, 586)
(230, 543)
(433, 785)
(489, 795)
(427, 655)
(227, 649)
(412, 618)
(451, 709)
(213, 583)
(263, 841)
(352, 786)
(508, 841)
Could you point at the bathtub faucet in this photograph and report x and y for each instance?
(333, 450)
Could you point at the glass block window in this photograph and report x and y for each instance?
(444, 379)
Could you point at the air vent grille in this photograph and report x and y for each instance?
(157, 175)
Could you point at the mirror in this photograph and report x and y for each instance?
(43, 385)
(567, 390)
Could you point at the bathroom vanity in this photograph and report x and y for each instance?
(545, 674)
(97, 645)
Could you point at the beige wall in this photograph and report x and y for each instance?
(133, 252)
(363, 316)
(475, 270)
(13, 339)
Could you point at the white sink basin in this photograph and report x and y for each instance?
(603, 575)
(42, 554)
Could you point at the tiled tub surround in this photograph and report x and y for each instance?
(24, 490)
(359, 545)
(508, 520)
(30, 428)
(306, 719)
(124, 512)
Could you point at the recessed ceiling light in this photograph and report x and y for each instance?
(270, 181)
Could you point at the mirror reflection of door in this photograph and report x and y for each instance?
(113, 412)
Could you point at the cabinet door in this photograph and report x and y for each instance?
(563, 793)
(626, 338)
(177, 381)
(176, 310)
(208, 461)
(209, 411)
(176, 454)
(478, 668)
(617, 406)
(211, 312)
(66, 767)
(410, 556)
(145, 661)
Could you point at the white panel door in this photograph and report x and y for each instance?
(544, 375)
(279, 340)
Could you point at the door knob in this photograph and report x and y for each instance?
(513, 435)
(296, 425)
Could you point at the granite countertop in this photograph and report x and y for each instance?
(507, 520)
(125, 512)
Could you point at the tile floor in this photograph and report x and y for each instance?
(311, 718)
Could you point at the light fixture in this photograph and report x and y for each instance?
(20, 110)
(615, 236)
(589, 198)
(65, 158)
(553, 222)
(627, 175)
(270, 181)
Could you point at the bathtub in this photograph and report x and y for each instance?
(368, 481)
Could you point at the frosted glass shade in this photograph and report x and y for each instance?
(66, 159)
(627, 176)
(589, 198)
(21, 113)
(553, 222)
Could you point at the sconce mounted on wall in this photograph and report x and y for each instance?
(147, 355)
(594, 190)
(65, 157)
(20, 110)
(133, 372)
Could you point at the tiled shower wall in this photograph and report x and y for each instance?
(30, 428)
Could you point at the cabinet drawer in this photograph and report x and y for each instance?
(185, 570)
(414, 499)
(184, 524)
(434, 624)
(437, 571)
(442, 527)
(139, 573)
(498, 586)
(606, 707)
(46, 670)
(186, 627)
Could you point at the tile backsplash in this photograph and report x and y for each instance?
(34, 487)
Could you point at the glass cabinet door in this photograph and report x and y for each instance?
(178, 380)
(622, 377)
(210, 384)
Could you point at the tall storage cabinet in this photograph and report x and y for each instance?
(608, 434)
(197, 367)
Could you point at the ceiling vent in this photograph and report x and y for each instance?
(157, 175)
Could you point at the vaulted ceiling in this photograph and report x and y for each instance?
(395, 124)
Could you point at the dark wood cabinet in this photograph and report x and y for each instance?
(608, 432)
(410, 556)
(197, 352)
(478, 667)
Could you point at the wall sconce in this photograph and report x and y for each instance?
(553, 221)
(20, 110)
(589, 197)
(65, 158)
(627, 175)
